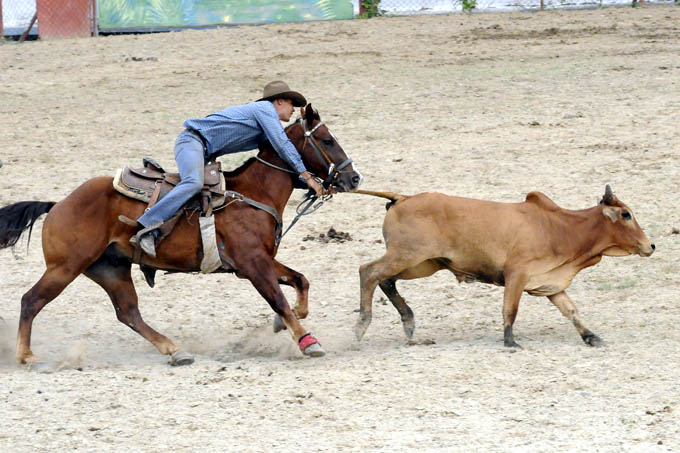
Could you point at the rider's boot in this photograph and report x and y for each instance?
(146, 238)
(148, 242)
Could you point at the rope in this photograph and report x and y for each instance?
(305, 205)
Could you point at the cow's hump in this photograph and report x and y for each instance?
(541, 200)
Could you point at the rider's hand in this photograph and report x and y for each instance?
(312, 183)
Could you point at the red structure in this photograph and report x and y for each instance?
(64, 18)
(2, 30)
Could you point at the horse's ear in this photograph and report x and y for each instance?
(302, 112)
(309, 114)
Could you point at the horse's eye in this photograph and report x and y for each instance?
(328, 142)
(625, 215)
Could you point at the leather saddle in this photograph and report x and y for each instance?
(151, 183)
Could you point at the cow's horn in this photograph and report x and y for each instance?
(608, 195)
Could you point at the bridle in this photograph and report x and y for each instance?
(333, 171)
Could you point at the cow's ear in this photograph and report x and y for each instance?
(612, 213)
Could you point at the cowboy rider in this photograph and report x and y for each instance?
(232, 130)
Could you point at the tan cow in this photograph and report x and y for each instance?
(535, 246)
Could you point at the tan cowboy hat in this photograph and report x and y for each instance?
(278, 89)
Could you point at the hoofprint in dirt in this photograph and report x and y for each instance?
(488, 106)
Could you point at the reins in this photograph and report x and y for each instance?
(274, 166)
(308, 202)
(333, 172)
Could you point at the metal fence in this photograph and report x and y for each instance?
(48, 18)
(72, 18)
(17, 16)
(414, 7)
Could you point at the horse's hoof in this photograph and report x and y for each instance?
(314, 350)
(593, 340)
(41, 367)
(408, 330)
(278, 324)
(512, 344)
(310, 346)
(181, 358)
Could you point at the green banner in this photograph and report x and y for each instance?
(141, 14)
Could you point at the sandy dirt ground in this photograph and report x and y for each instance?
(489, 106)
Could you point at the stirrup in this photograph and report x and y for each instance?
(147, 242)
(135, 240)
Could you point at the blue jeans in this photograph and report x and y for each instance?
(190, 162)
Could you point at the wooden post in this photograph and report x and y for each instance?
(94, 28)
(25, 33)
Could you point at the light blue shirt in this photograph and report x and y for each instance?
(243, 128)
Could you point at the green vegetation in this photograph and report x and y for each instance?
(370, 9)
(469, 5)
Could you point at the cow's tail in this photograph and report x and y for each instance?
(393, 197)
(19, 217)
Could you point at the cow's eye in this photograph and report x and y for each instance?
(625, 215)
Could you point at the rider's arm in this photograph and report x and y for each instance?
(268, 119)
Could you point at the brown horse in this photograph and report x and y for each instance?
(82, 234)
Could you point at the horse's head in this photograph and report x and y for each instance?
(321, 153)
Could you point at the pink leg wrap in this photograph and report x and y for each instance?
(307, 340)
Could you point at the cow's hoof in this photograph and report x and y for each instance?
(362, 326)
(181, 358)
(314, 350)
(278, 324)
(40, 367)
(593, 340)
(360, 330)
(409, 328)
(409, 332)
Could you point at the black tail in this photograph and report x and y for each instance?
(19, 217)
